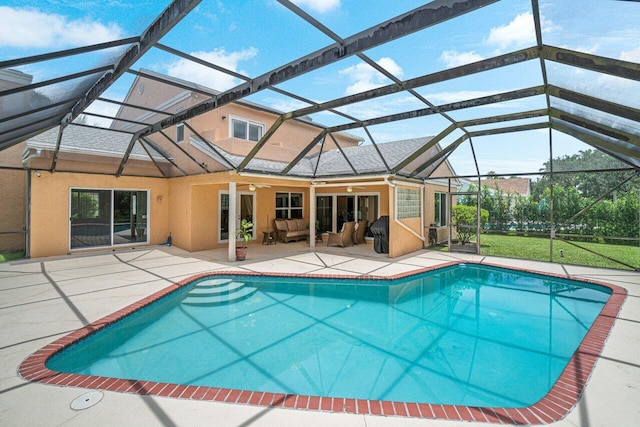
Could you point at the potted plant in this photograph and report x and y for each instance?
(245, 232)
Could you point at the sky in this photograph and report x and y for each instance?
(252, 37)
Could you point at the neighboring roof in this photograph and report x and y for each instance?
(514, 185)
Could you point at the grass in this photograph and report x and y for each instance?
(10, 256)
(537, 248)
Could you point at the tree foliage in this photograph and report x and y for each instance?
(617, 215)
(588, 184)
(464, 218)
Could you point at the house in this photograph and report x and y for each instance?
(512, 185)
(189, 180)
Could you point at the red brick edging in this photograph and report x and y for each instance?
(558, 402)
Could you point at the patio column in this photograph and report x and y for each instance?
(232, 221)
(312, 217)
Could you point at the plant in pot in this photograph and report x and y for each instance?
(245, 232)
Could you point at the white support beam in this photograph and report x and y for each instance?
(312, 217)
(232, 222)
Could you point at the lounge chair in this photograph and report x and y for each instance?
(358, 233)
(344, 237)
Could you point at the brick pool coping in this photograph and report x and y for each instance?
(557, 403)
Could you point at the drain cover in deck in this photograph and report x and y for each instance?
(87, 400)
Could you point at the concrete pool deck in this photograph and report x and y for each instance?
(45, 299)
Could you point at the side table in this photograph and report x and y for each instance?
(269, 238)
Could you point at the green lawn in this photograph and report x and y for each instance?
(536, 248)
(10, 256)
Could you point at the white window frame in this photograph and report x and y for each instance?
(289, 207)
(443, 198)
(179, 128)
(247, 123)
(111, 244)
(219, 214)
(180, 132)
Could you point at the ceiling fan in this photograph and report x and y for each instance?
(351, 187)
(252, 187)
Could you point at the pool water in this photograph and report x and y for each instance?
(464, 335)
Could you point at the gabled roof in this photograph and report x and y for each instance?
(362, 160)
(91, 141)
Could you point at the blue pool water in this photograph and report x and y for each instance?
(468, 335)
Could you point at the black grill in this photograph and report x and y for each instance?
(380, 231)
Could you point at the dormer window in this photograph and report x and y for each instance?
(246, 129)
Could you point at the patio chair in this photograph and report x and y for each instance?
(358, 233)
(344, 237)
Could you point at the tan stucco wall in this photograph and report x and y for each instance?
(401, 240)
(12, 209)
(50, 207)
(193, 213)
(187, 207)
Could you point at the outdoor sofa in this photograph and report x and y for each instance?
(291, 229)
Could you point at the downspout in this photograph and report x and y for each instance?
(26, 155)
(27, 205)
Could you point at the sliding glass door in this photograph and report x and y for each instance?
(129, 217)
(245, 209)
(334, 210)
(107, 217)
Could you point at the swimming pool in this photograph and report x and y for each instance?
(436, 338)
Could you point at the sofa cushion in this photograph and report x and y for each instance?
(292, 225)
(300, 224)
(281, 225)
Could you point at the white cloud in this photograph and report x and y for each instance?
(632, 55)
(321, 6)
(285, 105)
(518, 33)
(364, 77)
(30, 28)
(196, 73)
(451, 58)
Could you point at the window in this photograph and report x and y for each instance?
(180, 132)
(440, 218)
(289, 205)
(408, 203)
(245, 129)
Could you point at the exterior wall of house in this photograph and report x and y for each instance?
(12, 209)
(401, 240)
(50, 207)
(187, 207)
(13, 189)
(430, 191)
(193, 216)
(215, 126)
